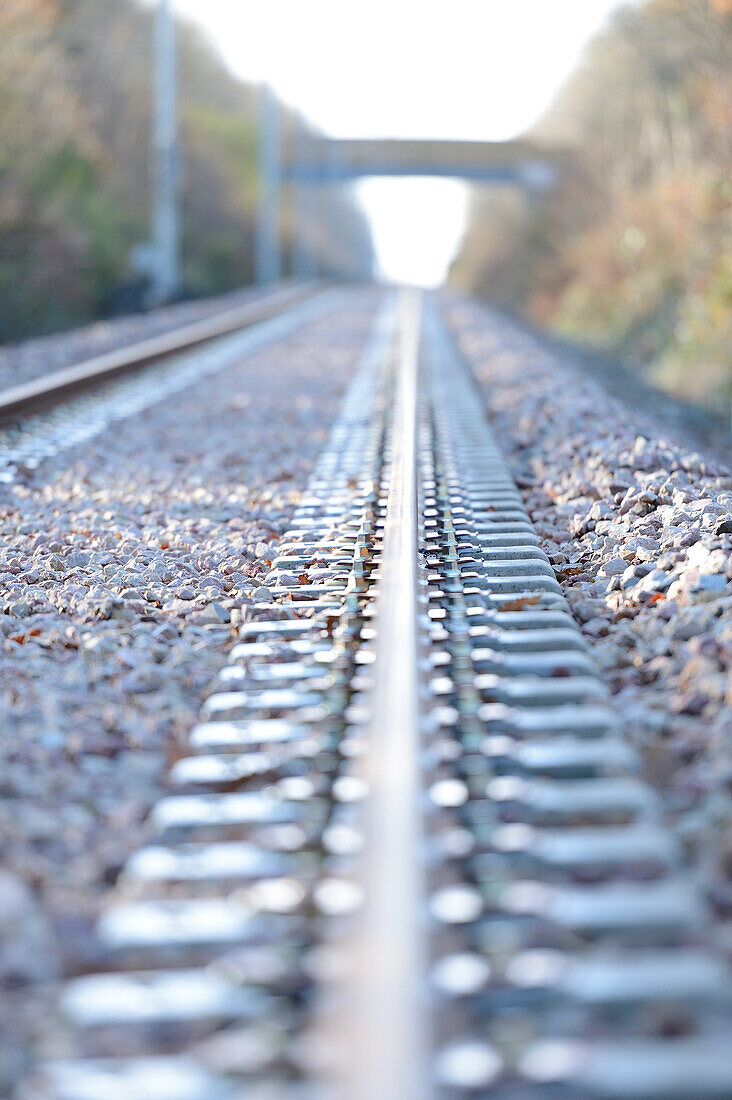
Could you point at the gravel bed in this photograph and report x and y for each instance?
(125, 566)
(33, 358)
(639, 531)
(695, 427)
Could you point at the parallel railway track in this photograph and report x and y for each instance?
(51, 389)
(67, 407)
(408, 853)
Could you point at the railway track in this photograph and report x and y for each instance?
(408, 853)
(59, 386)
(66, 408)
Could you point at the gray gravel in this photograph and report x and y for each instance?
(640, 534)
(124, 568)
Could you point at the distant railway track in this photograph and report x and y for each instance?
(47, 391)
(70, 406)
(407, 853)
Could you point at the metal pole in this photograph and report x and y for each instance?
(269, 260)
(319, 208)
(166, 260)
(302, 214)
(332, 194)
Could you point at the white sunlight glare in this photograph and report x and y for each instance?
(467, 69)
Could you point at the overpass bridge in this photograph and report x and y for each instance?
(306, 165)
(516, 162)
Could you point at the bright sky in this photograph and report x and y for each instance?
(469, 69)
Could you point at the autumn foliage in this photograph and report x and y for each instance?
(75, 103)
(632, 251)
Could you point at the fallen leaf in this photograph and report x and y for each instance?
(521, 603)
(21, 639)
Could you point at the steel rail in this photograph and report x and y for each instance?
(385, 1024)
(51, 388)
